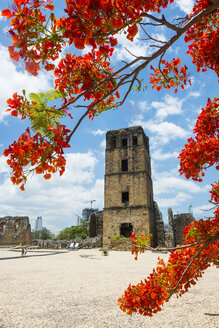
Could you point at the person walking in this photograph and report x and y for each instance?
(22, 251)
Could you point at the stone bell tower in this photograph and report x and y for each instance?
(128, 204)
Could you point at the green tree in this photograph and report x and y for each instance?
(73, 232)
(44, 234)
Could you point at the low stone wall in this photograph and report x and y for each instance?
(88, 242)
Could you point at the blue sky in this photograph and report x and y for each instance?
(167, 118)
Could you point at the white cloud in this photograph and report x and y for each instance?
(86, 50)
(103, 144)
(159, 36)
(14, 80)
(185, 5)
(99, 132)
(168, 182)
(143, 106)
(57, 199)
(204, 210)
(165, 131)
(131, 102)
(174, 51)
(170, 106)
(139, 119)
(136, 48)
(3, 165)
(194, 94)
(159, 156)
(191, 124)
(180, 198)
(171, 190)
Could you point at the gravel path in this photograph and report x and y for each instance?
(80, 289)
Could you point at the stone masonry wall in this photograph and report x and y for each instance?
(113, 219)
(88, 242)
(170, 236)
(180, 221)
(160, 233)
(95, 227)
(176, 225)
(15, 230)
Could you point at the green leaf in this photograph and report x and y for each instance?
(35, 97)
(42, 116)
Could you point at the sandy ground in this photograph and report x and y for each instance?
(79, 289)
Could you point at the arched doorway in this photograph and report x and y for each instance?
(126, 229)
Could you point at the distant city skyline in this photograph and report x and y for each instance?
(86, 212)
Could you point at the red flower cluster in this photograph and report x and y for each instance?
(91, 22)
(30, 35)
(139, 243)
(204, 39)
(215, 193)
(202, 151)
(43, 156)
(149, 295)
(170, 76)
(75, 75)
(87, 22)
(17, 105)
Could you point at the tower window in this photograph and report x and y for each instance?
(124, 142)
(125, 197)
(124, 165)
(113, 142)
(135, 140)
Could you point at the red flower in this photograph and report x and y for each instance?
(132, 235)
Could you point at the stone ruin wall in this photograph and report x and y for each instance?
(176, 225)
(96, 224)
(160, 233)
(15, 230)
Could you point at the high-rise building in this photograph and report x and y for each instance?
(77, 220)
(38, 223)
(86, 212)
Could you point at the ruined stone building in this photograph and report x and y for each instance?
(15, 230)
(128, 194)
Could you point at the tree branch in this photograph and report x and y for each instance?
(162, 49)
(206, 244)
